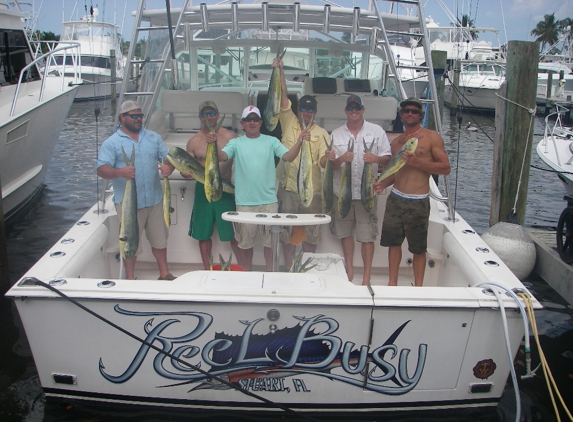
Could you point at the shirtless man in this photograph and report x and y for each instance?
(408, 206)
(206, 214)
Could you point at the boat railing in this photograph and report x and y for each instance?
(44, 58)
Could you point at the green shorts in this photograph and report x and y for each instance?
(206, 214)
(406, 218)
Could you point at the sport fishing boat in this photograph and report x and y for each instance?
(310, 342)
(101, 74)
(32, 112)
(556, 147)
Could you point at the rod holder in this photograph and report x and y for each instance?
(235, 16)
(204, 17)
(296, 20)
(326, 24)
(265, 16)
(355, 23)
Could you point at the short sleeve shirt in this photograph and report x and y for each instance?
(375, 139)
(255, 180)
(149, 150)
(287, 173)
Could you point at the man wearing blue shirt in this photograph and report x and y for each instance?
(149, 149)
(255, 178)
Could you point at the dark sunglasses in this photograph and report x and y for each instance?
(135, 116)
(252, 119)
(411, 110)
(352, 108)
(212, 113)
(306, 110)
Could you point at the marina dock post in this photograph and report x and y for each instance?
(439, 60)
(514, 114)
(548, 89)
(4, 278)
(455, 86)
(113, 76)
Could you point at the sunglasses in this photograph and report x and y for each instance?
(212, 113)
(252, 119)
(352, 108)
(135, 116)
(411, 110)
(306, 110)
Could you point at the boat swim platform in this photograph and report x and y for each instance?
(549, 266)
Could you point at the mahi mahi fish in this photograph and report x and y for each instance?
(305, 183)
(273, 105)
(213, 180)
(397, 161)
(345, 195)
(183, 162)
(129, 229)
(327, 182)
(366, 189)
(167, 201)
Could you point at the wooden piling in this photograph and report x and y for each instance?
(455, 87)
(514, 132)
(439, 60)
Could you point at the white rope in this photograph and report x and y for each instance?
(532, 116)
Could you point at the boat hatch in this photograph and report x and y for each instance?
(238, 280)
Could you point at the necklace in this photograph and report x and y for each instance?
(412, 134)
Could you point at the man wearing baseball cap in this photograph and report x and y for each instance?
(149, 149)
(254, 155)
(207, 214)
(370, 145)
(295, 126)
(408, 205)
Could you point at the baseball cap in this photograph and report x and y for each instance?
(206, 104)
(354, 99)
(250, 109)
(128, 106)
(307, 101)
(411, 101)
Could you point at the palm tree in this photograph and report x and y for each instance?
(466, 22)
(547, 31)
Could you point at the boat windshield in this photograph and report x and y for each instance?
(92, 61)
(14, 56)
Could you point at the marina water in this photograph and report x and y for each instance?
(72, 187)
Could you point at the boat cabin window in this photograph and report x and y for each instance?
(14, 56)
(101, 62)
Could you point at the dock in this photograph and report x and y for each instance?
(549, 266)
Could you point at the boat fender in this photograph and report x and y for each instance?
(513, 244)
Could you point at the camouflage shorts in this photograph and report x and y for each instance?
(406, 218)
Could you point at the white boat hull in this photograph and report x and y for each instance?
(30, 135)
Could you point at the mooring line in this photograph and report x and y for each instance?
(170, 355)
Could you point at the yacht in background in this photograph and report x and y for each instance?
(97, 40)
(32, 112)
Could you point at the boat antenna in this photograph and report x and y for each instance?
(172, 44)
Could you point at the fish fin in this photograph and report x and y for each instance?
(219, 124)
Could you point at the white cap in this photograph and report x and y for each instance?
(128, 106)
(250, 109)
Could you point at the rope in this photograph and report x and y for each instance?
(531, 118)
(551, 385)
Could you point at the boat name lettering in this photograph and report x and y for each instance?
(262, 361)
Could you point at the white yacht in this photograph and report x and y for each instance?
(32, 113)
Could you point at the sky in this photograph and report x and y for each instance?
(515, 19)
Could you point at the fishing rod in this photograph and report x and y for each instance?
(170, 355)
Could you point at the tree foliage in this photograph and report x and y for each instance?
(547, 31)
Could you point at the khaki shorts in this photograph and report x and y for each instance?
(150, 219)
(365, 224)
(290, 202)
(406, 218)
(247, 234)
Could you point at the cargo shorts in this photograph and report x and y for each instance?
(151, 220)
(247, 234)
(406, 218)
(358, 220)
